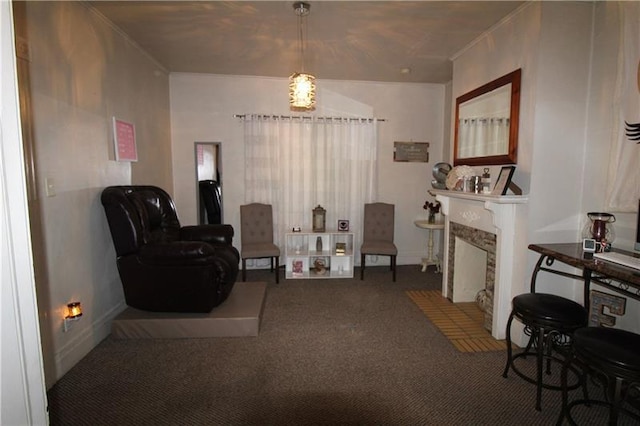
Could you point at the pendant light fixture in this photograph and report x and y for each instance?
(302, 86)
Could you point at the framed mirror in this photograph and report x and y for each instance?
(209, 182)
(486, 123)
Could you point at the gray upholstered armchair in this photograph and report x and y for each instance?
(377, 237)
(256, 228)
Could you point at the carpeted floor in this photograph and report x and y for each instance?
(330, 352)
(461, 323)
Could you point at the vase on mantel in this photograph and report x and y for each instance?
(319, 244)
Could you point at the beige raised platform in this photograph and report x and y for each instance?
(239, 316)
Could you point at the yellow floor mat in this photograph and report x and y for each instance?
(461, 323)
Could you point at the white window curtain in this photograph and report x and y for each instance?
(297, 163)
(483, 136)
(623, 180)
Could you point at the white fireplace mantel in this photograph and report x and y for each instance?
(504, 216)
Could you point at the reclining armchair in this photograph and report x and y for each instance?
(165, 267)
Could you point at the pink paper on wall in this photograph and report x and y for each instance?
(200, 154)
(124, 135)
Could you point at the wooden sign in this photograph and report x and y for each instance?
(411, 152)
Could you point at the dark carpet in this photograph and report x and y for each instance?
(330, 352)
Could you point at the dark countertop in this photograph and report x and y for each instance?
(572, 254)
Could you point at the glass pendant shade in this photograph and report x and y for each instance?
(302, 92)
(302, 86)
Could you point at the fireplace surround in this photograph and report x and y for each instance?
(496, 226)
(474, 251)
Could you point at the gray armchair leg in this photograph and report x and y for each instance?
(393, 267)
(244, 270)
(362, 257)
(277, 270)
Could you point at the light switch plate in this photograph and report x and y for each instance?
(50, 187)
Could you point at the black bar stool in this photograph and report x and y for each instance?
(613, 357)
(549, 321)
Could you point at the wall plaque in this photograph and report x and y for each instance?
(124, 138)
(411, 152)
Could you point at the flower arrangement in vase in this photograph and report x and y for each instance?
(433, 208)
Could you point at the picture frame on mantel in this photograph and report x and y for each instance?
(504, 180)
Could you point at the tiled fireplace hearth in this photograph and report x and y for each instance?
(484, 251)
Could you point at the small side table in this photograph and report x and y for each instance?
(430, 227)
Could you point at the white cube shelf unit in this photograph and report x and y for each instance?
(336, 254)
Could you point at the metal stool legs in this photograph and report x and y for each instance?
(612, 358)
(542, 342)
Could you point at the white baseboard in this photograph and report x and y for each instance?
(88, 338)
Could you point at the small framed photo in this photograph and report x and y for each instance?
(343, 225)
(504, 180)
(297, 268)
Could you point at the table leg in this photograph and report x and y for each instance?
(429, 260)
(430, 247)
(586, 274)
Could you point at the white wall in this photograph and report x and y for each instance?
(83, 72)
(558, 144)
(567, 52)
(550, 42)
(202, 109)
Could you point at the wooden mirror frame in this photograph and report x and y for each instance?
(511, 156)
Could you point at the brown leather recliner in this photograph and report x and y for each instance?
(163, 266)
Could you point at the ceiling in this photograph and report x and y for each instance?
(345, 40)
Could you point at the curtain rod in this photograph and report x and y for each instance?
(303, 117)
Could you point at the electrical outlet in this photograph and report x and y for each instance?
(67, 323)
